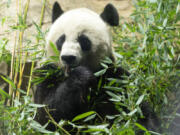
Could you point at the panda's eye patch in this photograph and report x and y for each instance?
(85, 43)
(60, 41)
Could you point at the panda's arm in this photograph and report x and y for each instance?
(71, 95)
(47, 79)
(69, 98)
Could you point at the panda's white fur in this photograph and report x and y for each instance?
(74, 23)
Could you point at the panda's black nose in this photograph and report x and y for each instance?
(68, 59)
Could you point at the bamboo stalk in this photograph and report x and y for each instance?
(33, 63)
(42, 13)
(30, 78)
(21, 34)
(26, 10)
(55, 123)
(13, 58)
(18, 58)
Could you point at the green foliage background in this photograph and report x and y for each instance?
(148, 46)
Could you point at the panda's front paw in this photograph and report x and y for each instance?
(84, 75)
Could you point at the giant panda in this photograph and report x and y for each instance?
(83, 39)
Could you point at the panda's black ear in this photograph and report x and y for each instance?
(56, 11)
(110, 15)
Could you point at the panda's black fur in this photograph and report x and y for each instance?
(66, 97)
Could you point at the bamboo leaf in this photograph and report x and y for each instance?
(132, 112)
(101, 72)
(9, 82)
(2, 92)
(140, 100)
(84, 115)
(140, 126)
(54, 49)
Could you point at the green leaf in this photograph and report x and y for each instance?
(2, 92)
(144, 41)
(38, 127)
(119, 89)
(132, 112)
(102, 128)
(99, 73)
(140, 100)
(9, 81)
(90, 117)
(107, 60)
(38, 28)
(84, 115)
(118, 55)
(3, 21)
(104, 65)
(54, 49)
(178, 8)
(114, 96)
(141, 28)
(153, 133)
(159, 6)
(165, 22)
(141, 127)
(126, 131)
(37, 105)
(54, 59)
(152, 1)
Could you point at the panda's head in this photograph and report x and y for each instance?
(82, 36)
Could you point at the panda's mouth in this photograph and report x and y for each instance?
(68, 69)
